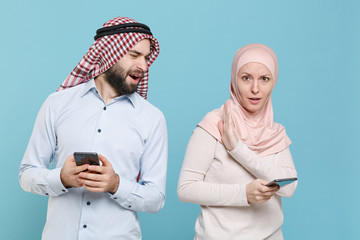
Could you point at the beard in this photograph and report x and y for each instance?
(116, 77)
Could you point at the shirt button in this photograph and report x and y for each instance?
(129, 206)
(84, 226)
(99, 130)
(88, 203)
(104, 108)
(115, 197)
(63, 190)
(46, 194)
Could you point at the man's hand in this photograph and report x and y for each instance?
(227, 130)
(258, 192)
(100, 178)
(69, 174)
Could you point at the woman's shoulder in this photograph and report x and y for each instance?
(200, 132)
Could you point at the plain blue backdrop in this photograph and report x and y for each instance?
(316, 98)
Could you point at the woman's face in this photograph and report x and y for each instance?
(255, 83)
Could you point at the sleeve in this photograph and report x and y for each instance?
(35, 175)
(281, 167)
(149, 194)
(192, 188)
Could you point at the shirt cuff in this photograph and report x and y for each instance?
(123, 192)
(243, 198)
(55, 185)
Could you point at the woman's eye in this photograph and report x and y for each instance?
(265, 79)
(245, 78)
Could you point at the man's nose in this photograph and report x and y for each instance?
(142, 64)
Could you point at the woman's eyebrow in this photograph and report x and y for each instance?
(245, 73)
(265, 75)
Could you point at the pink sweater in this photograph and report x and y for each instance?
(216, 179)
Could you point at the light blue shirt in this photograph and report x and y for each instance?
(129, 132)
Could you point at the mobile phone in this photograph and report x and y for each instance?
(281, 182)
(90, 158)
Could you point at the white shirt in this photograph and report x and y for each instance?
(216, 179)
(129, 132)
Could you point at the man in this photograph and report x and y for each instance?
(102, 110)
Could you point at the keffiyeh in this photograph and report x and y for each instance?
(108, 50)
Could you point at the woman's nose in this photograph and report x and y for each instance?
(255, 87)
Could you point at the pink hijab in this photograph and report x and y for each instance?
(258, 131)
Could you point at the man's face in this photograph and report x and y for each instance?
(127, 73)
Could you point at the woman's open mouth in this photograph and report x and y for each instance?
(254, 100)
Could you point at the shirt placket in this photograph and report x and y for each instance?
(89, 200)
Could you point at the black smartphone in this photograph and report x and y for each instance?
(90, 158)
(281, 182)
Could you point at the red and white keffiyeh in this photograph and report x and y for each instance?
(106, 51)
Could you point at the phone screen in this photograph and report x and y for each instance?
(90, 158)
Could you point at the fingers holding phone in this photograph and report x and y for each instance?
(69, 174)
(258, 192)
(100, 178)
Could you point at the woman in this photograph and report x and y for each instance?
(235, 151)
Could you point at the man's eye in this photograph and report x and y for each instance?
(147, 59)
(133, 55)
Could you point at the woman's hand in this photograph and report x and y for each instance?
(258, 192)
(227, 129)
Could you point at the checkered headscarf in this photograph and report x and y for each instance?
(106, 51)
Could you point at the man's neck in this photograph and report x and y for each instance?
(106, 91)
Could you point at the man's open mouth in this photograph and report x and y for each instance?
(137, 76)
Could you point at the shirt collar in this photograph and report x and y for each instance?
(90, 86)
(131, 98)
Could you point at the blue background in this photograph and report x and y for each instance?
(316, 98)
